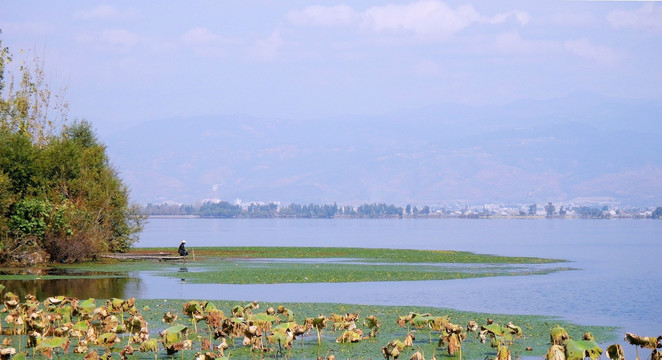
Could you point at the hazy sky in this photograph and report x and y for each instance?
(130, 61)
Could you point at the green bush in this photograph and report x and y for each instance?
(60, 199)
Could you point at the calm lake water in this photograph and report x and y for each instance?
(617, 281)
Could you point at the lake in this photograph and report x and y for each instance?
(617, 281)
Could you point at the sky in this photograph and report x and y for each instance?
(124, 62)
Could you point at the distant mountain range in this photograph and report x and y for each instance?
(573, 149)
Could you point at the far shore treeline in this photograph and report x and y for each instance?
(60, 199)
(226, 210)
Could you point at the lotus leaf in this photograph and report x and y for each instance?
(135, 323)
(208, 356)
(92, 355)
(209, 307)
(173, 334)
(20, 356)
(499, 334)
(282, 337)
(656, 355)
(421, 322)
(406, 319)
(286, 312)
(283, 326)
(373, 323)
(238, 311)
(108, 339)
(580, 349)
(262, 318)
(503, 353)
(472, 326)
(115, 304)
(46, 346)
(644, 341)
(128, 350)
(81, 348)
(85, 308)
(350, 336)
(555, 352)
(54, 301)
(192, 307)
(558, 335)
(169, 317)
(319, 322)
(516, 329)
(53, 342)
(454, 343)
(615, 352)
(417, 356)
(129, 305)
(440, 322)
(11, 300)
(150, 345)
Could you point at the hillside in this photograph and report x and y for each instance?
(530, 151)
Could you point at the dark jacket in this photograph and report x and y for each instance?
(182, 250)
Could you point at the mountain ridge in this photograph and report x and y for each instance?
(555, 150)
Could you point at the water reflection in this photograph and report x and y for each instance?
(100, 288)
(182, 269)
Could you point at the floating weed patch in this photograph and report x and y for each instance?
(275, 273)
(266, 265)
(255, 265)
(367, 254)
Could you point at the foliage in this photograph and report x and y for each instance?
(221, 209)
(60, 199)
(549, 209)
(224, 209)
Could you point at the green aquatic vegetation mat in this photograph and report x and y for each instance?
(366, 254)
(260, 265)
(272, 265)
(536, 330)
(275, 273)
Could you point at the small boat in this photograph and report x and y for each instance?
(161, 256)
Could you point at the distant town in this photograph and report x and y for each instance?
(238, 209)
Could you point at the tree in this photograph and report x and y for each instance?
(28, 104)
(533, 209)
(657, 214)
(61, 200)
(549, 209)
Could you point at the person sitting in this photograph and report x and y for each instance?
(182, 250)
